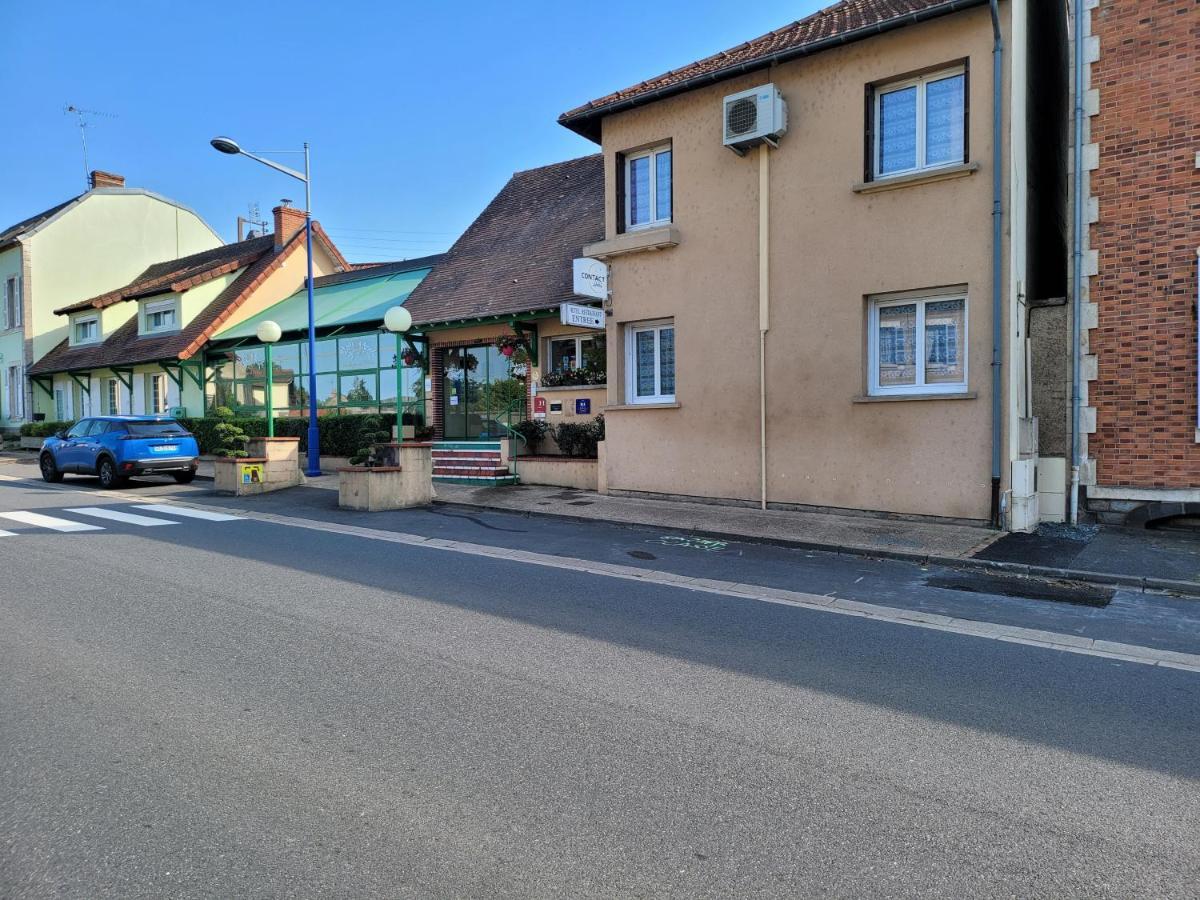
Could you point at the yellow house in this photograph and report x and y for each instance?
(90, 244)
(139, 349)
(821, 262)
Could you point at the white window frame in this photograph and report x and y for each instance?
(112, 396)
(631, 333)
(90, 318)
(157, 380)
(652, 154)
(12, 295)
(921, 82)
(579, 340)
(15, 408)
(875, 304)
(151, 307)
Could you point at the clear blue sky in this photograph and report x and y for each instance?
(416, 114)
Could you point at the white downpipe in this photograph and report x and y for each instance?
(764, 305)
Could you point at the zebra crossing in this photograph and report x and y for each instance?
(87, 518)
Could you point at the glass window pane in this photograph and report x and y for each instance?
(327, 390)
(897, 345)
(285, 360)
(594, 352)
(562, 355)
(898, 130)
(666, 361)
(298, 393)
(249, 361)
(357, 390)
(945, 341)
(662, 186)
(327, 356)
(359, 352)
(639, 190)
(944, 110)
(644, 349)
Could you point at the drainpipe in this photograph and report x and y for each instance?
(764, 306)
(997, 241)
(1077, 274)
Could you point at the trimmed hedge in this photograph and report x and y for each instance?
(340, 435)
(44, 429)
(579, 439)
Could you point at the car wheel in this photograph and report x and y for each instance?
(185, 477)
(50, 471)
(109, 477)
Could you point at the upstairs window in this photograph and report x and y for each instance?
(85, 329)
(919, 123)
(647, 176)
(160, 316)
(10, 311)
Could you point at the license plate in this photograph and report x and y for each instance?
(165, 448)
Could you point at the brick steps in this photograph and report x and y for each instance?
(465, 462)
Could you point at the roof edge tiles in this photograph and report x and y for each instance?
(834, 26)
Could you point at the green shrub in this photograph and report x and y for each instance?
(534, 431)
(43, 429)
(231, 440)
(579, 439)
(340, 435)
(373, 435)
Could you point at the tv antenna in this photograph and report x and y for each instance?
(253, 219)
(83, 117)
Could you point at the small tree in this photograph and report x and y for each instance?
(372, 455)
(231, 440)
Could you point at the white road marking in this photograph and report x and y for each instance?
(8, 534)
(41, 521)
(188, 512)
(100, 512)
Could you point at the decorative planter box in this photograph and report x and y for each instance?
(410, 483)
(240, 476)
(273, 464)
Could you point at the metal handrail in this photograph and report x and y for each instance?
(513, 407)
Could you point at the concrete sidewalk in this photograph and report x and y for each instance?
(818, 530)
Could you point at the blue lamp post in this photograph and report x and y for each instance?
(230, 146)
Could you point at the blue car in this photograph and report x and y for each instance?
(116, 447)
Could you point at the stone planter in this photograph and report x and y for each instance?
(407, 484)
(240, 477)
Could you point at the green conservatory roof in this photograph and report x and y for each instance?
(348, 298)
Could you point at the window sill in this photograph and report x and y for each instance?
(573, 387)
(640, 241)
(622, 407)
(897, 398)
(914, 178)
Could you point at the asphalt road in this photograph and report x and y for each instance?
(243, 708)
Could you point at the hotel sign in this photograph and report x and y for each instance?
(581, 316)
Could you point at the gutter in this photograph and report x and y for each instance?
(579, 122)
(997, 243)
(1077, 274)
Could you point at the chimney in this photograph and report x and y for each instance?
(288, 221)
(106, 179)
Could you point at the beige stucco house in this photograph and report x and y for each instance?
(92, 243)
(809, 320)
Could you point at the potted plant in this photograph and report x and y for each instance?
(385, 475)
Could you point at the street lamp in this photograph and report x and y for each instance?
(230, 146)
(268, 333)
(398, 320)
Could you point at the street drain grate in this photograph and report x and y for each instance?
(1075, 592)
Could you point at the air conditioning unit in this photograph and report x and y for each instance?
(754, 117)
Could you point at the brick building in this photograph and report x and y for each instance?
(1141, 434)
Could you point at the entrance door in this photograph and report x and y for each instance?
(479, 394)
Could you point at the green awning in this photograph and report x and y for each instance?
(337, 305)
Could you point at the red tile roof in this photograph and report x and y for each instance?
(841, 23)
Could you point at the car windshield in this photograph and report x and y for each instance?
(155, 429)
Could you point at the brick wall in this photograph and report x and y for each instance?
(1148, 187)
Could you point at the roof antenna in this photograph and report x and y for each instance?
(72, 110)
